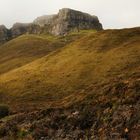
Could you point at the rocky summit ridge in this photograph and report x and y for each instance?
(68, 20)
(58, 24)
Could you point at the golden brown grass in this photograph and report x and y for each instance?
(60, 76)
(28, 48)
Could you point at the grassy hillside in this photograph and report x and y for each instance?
(95, 58)
(28, 48)
(97, 74)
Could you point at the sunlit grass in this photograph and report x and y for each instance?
(62, 74)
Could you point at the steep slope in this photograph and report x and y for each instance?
(27, 48)
(89, 89)
(22, 50)
(96, 58)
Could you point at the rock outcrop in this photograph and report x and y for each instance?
(3, 34)
(65, 21)
(68, 20)
(22, 28)
(19, 29)
(43, 20)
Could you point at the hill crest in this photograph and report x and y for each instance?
(65, 21)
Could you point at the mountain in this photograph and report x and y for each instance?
(60, 24)
(84, 85)
(68, 20)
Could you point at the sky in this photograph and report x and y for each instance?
(111, 13)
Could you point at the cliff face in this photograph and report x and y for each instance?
(60, 24)
(69, 20)
(3, 34)
(44, 20)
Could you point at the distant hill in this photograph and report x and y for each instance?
(84, 85)
(68, 20)
(59, 24)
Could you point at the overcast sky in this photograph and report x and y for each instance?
(111, 13)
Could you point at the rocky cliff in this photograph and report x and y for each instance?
(19, 29)
(68, 20)
(43, 20)
(24, 28)
(59, 24)
(3, 34)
